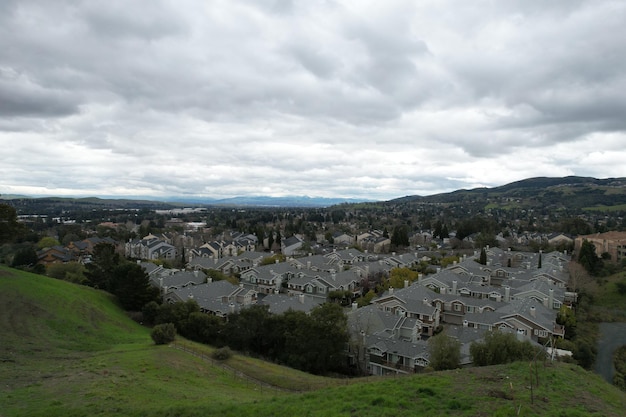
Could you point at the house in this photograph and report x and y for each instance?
(281, 303)
(267, 279)
(415, 302)
(341, 238)
(149, 247)
(612, 243)
(219, 298)
(291, 245)
(54, 255)
(177, 280)
(386, 343)
(560, 239)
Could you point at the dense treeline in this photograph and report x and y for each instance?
(312, 342)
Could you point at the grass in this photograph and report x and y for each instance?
(69, 351)
(608, 305)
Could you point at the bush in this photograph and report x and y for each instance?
(222, 354)
(163, 334)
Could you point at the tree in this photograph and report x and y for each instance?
(201, 327)
(99, 271)
(499, 347)
(10, 228)
(25, 256)
(246, 329)
(400, 236)
(70, 271)
(47, 242)
(132, 286)
(483, 257)
(398, 276)
(588, 259)
(445, 352)
(163, 334)
(323, 348)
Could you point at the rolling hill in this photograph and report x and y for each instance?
(68, 350)
(570, 193)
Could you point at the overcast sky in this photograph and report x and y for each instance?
(363, 99)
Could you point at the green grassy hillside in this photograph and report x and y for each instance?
(68, 350)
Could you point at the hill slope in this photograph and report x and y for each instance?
(68, 350)
(575, 193)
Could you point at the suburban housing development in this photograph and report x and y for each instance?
(516, 292)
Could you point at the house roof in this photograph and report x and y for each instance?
(280, 303)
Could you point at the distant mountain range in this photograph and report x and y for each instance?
(561, 192)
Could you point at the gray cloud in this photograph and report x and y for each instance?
(336, 98)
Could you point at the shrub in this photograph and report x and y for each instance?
(222, 354)
(163, 333)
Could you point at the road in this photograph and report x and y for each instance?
(612, 336)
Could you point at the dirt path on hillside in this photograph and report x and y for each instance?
(612, 336)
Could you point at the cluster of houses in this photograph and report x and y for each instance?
(79, 251)
(517, 292)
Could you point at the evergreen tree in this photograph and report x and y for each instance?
(483, 257)
(588, 259)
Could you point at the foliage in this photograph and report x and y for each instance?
(222, 354)
(621, 287)
(216, 275)
(202, 327)
(588, 258)
(499, 347)
(366, 299)
(70, 271)
(619, 363)
(163, 334)
(127, 280)
(25, 256)
(398, 276)
(10, 228)
(132, 286)
(567, 317)
(445, 352)
(100, 270)
(483, 257)
(400, 236)
(47, 242)
(272, 259)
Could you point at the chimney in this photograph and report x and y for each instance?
(301, 298)
(308, 264)
(551, 298)
(425, 301)
(276, 261)
(209, 280)
(545, 302)
(355, 305)
(406, 283)
(533, 311)
(454, 283)
(465, 323)
(195, 273)
(390, 290)
(231, 307)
